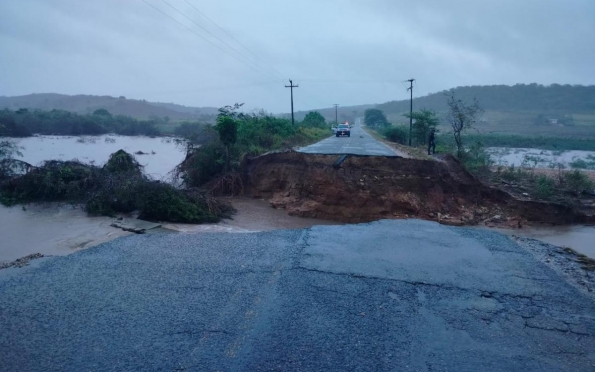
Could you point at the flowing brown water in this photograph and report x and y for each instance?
(61, 230)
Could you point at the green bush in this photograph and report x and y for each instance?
(395, 134)
(161, 201)
(118, 187)
(544, 187)
(476, 159)
(202, 164)
(578, 182)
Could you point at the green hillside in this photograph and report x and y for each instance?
(555, 110)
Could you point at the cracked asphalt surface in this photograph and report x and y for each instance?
(386, 296)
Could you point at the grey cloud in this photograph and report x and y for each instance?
(348, 52)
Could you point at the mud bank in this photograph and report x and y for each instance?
(367, 188)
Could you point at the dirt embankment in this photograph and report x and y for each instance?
(361, 189)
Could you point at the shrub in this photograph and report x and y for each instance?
(476, 159)
(544, 187)
(202, 164)
(161, 201)
(578, 182)
(122, 162)
(396, 134)
(120, 186)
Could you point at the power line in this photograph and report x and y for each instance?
(208, 88)
(233, 38)
(202, 37)
(214, 36)
(346, 81)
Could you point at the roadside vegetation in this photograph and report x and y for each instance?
(213, 161)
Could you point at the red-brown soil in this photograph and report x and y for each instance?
(362, 189)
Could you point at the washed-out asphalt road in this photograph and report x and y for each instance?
(360, 143)
(386, 296)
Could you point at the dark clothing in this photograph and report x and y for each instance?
(432, 144)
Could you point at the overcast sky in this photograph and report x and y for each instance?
(338, 51)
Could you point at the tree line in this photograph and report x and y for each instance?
(24, 123)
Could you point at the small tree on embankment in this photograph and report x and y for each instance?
(227, 127)
(461, 117)
(423, 122)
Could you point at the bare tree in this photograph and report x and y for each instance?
(461, 116)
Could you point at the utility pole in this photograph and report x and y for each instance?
(410, 109)
(291, 86)
(336, 120)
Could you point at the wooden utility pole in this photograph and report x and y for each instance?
(292, 86)
(410, 109)
(336, 120)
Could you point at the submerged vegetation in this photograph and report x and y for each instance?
(118, 187)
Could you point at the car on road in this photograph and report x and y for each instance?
(343, 130)
(334, 129)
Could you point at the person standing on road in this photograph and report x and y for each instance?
(432, 142)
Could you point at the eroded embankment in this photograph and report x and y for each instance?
(367, 188)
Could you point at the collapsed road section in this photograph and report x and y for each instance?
(351, 188)
(422, 297)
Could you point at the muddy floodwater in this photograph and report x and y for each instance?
(162, 154)
(578, 237)
(62, 229)
(50, 230)
(541, 158)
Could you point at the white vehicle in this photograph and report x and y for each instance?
(343, 130)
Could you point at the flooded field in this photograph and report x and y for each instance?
(536, 158)
(160, 155)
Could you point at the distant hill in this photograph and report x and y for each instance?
(86, 104)
(526, 98)
(554, 110)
